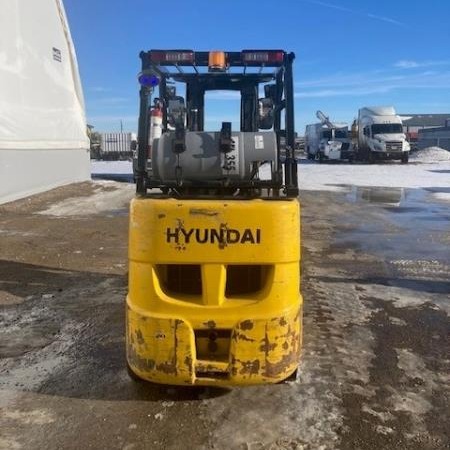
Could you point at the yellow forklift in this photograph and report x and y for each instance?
(214, 238)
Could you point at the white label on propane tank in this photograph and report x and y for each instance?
(230, 160)
(259, 142)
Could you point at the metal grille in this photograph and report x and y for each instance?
(394, 146)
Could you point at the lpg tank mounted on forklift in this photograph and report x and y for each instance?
(214, 245)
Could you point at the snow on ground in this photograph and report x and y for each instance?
(107, 197)
(111, 167)
(430, 155)
(445, 196)
(429, 168)
(338, 176)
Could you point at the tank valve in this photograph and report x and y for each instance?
(179, 143)
(225, 142)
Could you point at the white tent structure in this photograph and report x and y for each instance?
(43, 140)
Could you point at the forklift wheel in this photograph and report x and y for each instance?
(291, 378)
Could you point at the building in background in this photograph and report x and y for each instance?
(434, 137)
(43, 138)
(412, 123)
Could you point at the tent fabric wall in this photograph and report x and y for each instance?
(41, 101)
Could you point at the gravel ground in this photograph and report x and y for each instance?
(375, 366)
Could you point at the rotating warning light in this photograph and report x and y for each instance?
(148, 80)
(217, 61)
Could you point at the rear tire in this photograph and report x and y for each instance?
(291, 378)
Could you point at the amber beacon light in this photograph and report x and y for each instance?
(217, 61)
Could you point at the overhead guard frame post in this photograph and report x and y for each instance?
(143, 130)
(291, 163)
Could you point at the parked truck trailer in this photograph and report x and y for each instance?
(114, 146)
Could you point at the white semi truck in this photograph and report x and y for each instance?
(380, 135)
(327, 140)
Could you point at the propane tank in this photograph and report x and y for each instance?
(155, 125)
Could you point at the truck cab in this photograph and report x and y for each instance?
(325, 143)
(380, 135)
(335, 144)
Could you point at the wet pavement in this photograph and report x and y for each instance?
(376, 360)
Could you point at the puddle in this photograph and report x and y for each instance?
(382, 195)
(400, 223)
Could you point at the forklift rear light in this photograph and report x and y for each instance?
(183, 56)
(260, 57)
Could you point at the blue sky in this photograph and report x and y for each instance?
(349, 53)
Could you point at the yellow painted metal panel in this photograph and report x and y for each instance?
(214, 291)
(214, 231)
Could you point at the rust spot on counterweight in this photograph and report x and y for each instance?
(273, 370)
(246, 325)
(140, 337)
(202, 212)
(168, 367)
(250, 367)
(188, 362)
(241, 337)
(291, 341)
(267, 346)
(135, 360)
